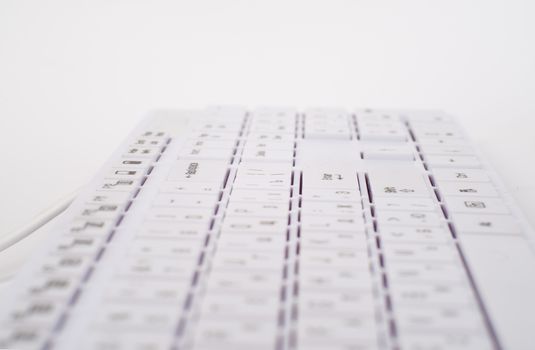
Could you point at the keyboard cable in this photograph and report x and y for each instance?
(37, 222)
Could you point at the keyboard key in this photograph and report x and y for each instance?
(268, 176)
(257, 209)
(408, 182)
(400, 203)
(466, 189)
(415, 234)
(409, 218)
(260, 196)
(476, 205)
(275, 225)
(460, 174)
(440, 161)
(200, 171)
(486, 224)
(331, 208)
(329, 177)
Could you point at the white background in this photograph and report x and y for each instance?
(75, 77)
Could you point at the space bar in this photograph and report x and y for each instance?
(503, 268)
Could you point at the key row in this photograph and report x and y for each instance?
(248, 263)
(150, 285)
(59, 278)
(335, 301)
(427, 283)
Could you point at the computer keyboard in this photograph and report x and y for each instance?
(282, 229)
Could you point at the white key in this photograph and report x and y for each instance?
(102, 211)
(163, 268)
(136, 163)
(79, 245)
(89, 227)
(339, 279)
(108, 198)
(404, 271)
(432, 130)
(205, 153)
(212, 136)
(185, 214)
(38, 311)
(329, 177)
(431, 294)
(270, 137)
(24, 336)
(113, 317)
(379, 131)
(274, 225)
(146, 152)
(416, 234)
(181, 187)
(213, 171)
(486, 224)
(331, 208)
(64, 265)
(246, 261)
(269, 176)
(153, 134)
(467, 189)
(220, 126)
(176, 249)
(164, 229)
(412, 204)
(441, 142)
(463, 317)
(126, 173)
(55, 287)
(460, 174)
(334, 258)
(335, 302)
(241, 334)
(449, 150)
(403, 182)
(429, 117)
(267, 155)
(352, 329)
(409, 218)
(332, 195)
(330, 240)
(257, 242)
(446, 340)
(318, 132)
(385, 152)
(186, 200)
(475, 205)
(104, 339)
(368, 116)
(425, 252)
(257, 209)
(118, 185)
(240, 305)
(225, 144)
(439, 161)
(142, 290)
(261, 196)
(242, 282)
(271, 145)
(326, 113)
(275, 126)
(332, 223)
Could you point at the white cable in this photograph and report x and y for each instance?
(41, 219)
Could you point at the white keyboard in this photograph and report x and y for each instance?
(278, 229)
